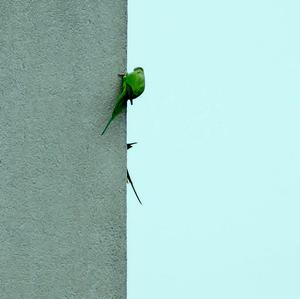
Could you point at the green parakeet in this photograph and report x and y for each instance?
(132, 87)
(129, 145)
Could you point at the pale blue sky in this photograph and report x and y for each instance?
(217, 162)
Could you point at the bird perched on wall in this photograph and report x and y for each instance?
(132, 87)
(129, 145)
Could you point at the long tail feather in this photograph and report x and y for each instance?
(130, 181)
(107, 125)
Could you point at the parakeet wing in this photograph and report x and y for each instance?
(121, 103)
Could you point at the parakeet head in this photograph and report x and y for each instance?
(139, 69)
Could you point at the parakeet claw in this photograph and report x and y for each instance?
(130, 101)
(122, 74)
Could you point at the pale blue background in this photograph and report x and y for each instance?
(217, 164)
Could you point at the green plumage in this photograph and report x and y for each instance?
(132, 87)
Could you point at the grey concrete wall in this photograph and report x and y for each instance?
(62, 185)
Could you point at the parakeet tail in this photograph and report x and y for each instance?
(130, 181)
(129, 145)
(107, 125)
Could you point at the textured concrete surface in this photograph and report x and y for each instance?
(62, 185)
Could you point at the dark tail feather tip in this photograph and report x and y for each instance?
(106, 127)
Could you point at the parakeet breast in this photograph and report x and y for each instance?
(135, 82)
(138, 90)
